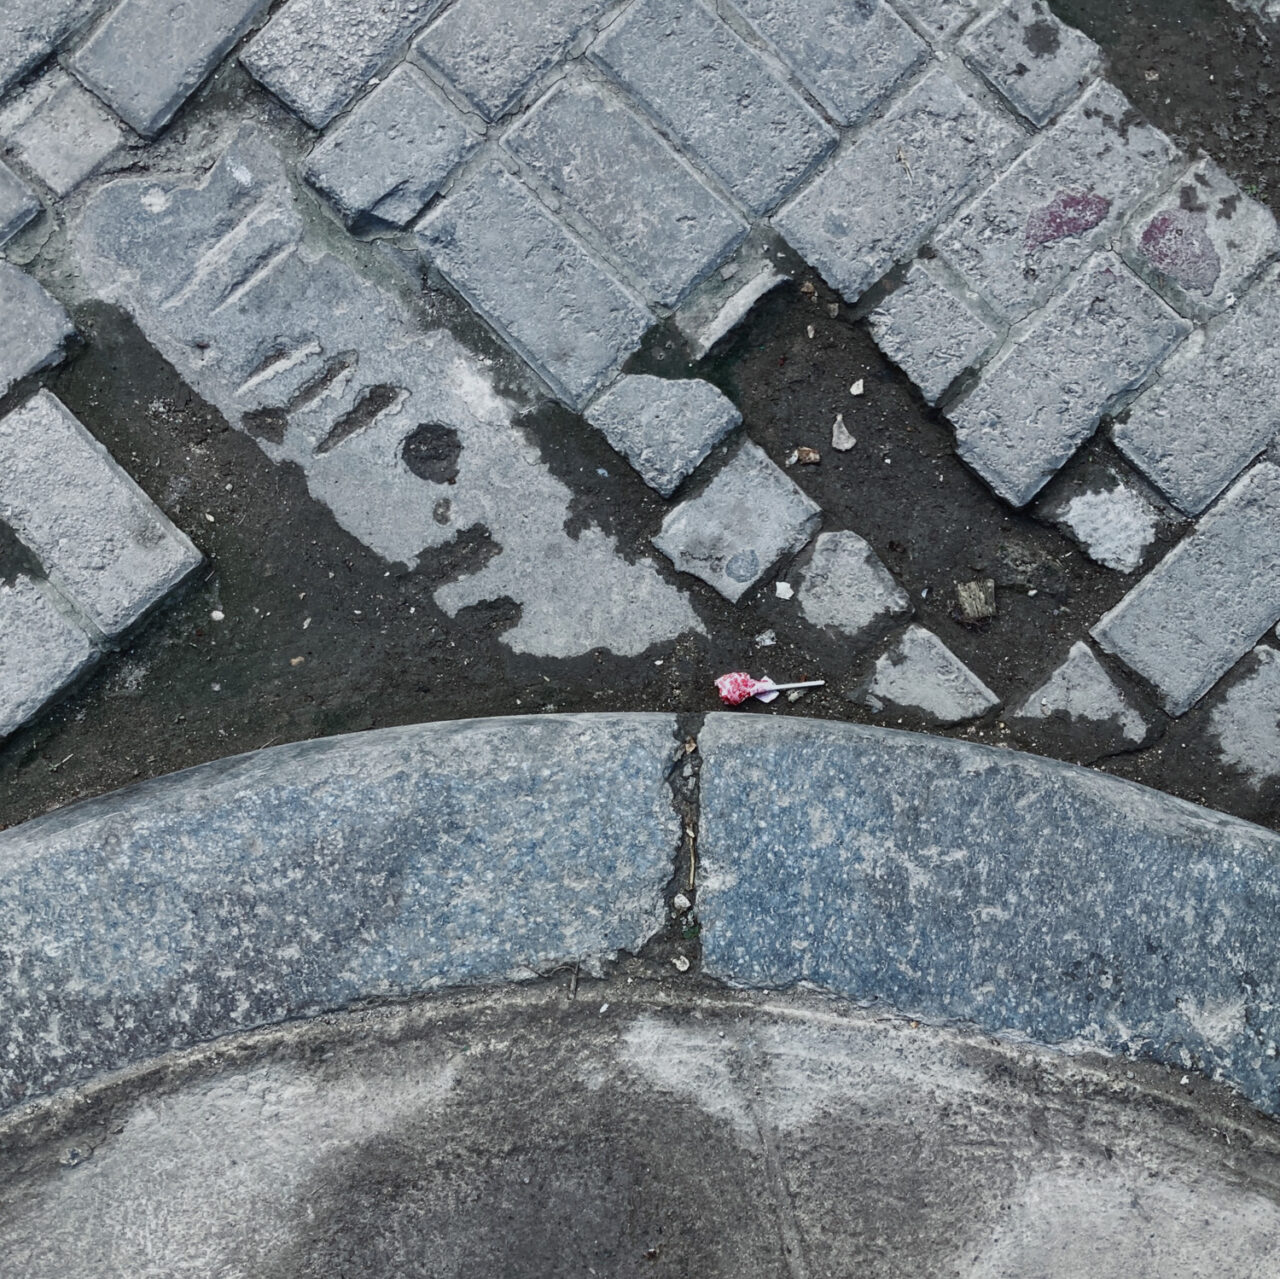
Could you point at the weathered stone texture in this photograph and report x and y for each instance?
(1081, 692)
(921, 674)
(846, 589)
(30, 30)
(18, 203)
(33, 327)
(1245, 724)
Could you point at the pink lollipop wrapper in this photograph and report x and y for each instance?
(737, 686)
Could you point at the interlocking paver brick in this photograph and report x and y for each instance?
(664, 427)
(101, 540)
(850, 56)
(1080, 692)
(60, 131)
(1044, 395)
(1246, 722)
(316, 55)
(930, 330)
(920, 673)
(716, 97)
(41, 651)
(877, 201)
(147, 57)
(493, 50)
(942, 19)
(30, 31)
(622, 179)
(1113, 524)
(18, 203)
(733, 532)
(846, 589)
(1200, 243)
(393, 152)
(1038, 63)
(1019, 239)
(537, 284)
(33, 327)
(1190, 619)
(1213, 408)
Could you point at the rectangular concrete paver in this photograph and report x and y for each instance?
(148, 56)
(1017, 242)
(716, 97)
(18, 203)
(30, 30)
(316, 55)
(620, 177)
(101, 540)
(41, 651)
(1043, 396)
(850, 56)
(33, 327)
(534, 281)
(880, 197)
(942, 19)
(1209, 600)
(493, 50)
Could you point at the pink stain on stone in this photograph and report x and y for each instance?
(1177, 244)
(1068, 213)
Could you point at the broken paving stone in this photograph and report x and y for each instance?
(33, 327)
(738, 527)
(921, 674)
(1081, 692)
(1114, 526)
(663, 427)
(845, 588)
(1246, 722)
(976, 600)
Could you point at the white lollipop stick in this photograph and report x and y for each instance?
(767, 695)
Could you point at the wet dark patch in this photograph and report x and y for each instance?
(431, 452)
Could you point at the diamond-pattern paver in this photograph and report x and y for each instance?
(846, 589)
(1246, 722)
(30, 32)
(716, 97)
(1044, 395)
(942, 19)
(877, 201)
(537, 284)
(740, 525)
(393, 152)
(33, 327)
(615, 171)
(18, 203)
(920, 673)
(1081, 693)
(1209, 600)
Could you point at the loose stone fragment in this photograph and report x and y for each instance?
(663, 427)
(921, 674)
(33, 327)
(616, 172)
(18, 204)
(41, 651)
(933, 148)
(101, 540)
(720, 304)
(841, 440)
(1193, 616)
(717, 98)
(977, 599)
(845, 588)
(733, 532)
(147, 57)
(930, 331)
(1081, 692)
(1113, 525)
(393, 152)
(1037, 62)
(1246, 722)
(1041, 398)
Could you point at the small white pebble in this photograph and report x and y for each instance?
(306, 623)
(208, 517)
(859, 387)
(810, 330)
(766, 639)
(681, 964)
(658, 662)
(604, 1008)
(1031, 592)
(681, 902)
(783, 590)
(217, 615)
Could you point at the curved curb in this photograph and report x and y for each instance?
(947, 880)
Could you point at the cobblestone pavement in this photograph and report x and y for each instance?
(384, 241)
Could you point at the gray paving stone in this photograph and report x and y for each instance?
(1213, 408)
(1081, 692)
(615, 171)
(973, 885)
(942, 19)
(663, 427)
(1194, 615)
(41, 651)
(1246, 722)
(733, 532)
(1113, 524)
(393, 152)
(1038, 63)
(1019, 240)
(919, 673)
(845, 588)
(930, 330)
(716, 97)
(33, 327)
(493, 50)
(1044, 395)
(30, 32)
(878, 200)
(60, 131)
(101, 540)
(534, 282)
(147, 57)
(319, 874)
(18, 203)
(316, 55)
(850, 56)
(1201, 242)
